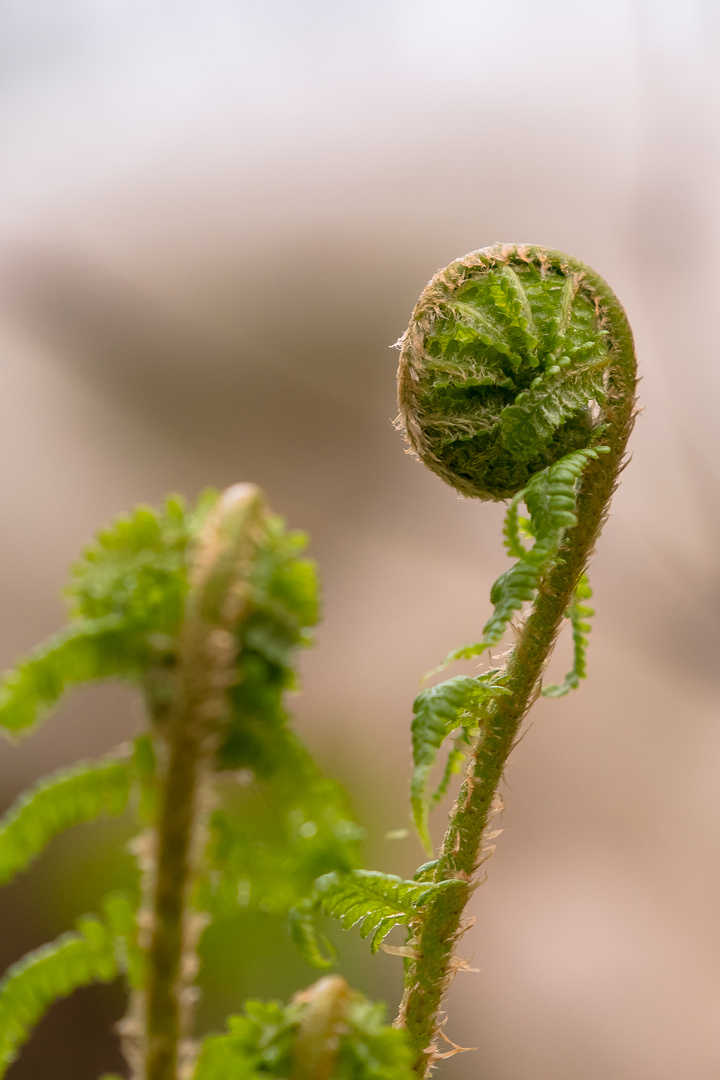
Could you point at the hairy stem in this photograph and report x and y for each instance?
(206, 670)
(430, 970)
(178, 832)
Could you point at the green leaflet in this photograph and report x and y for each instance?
(529, 424)
(314, 948)
(438, 711)
(135, 569)
(281, 611)
(453, 765)
(120, 913)
(126, 596)
(578, 614)
(84, 651)
(259, 1043)
(550, 499)
(53, 971)
(66, 798)
(352, 1042)
(374, 902)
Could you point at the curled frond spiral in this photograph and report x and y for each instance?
(503, 368)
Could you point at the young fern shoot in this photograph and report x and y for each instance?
(202, 610)
(516, 382)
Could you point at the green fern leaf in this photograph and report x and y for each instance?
(327, 1032)
(550, 499)
(438, 711)
(145, 766)
(529, 424)
(374, 902)
(512, 590)
(578, 614)
(314, 948)
(53, 971)
(85, 651)
(66, 798)
(453, 765)
(282, 608)
(126, 595)
(120, 913)
(135, 569)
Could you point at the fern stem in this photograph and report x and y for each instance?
(208, 649)
(178, 826)
(441, 925)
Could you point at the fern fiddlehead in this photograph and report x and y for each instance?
(516, 382)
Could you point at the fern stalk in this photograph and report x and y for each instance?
(440, 925)
(205, 673)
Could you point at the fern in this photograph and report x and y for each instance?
(314, 948)
(499, 369)
(135, 569)
(282, 608)
(326, 1033)
(578, 614)
(67, 798)
(120, 911)
(53, 971)
(126, 604)
(375, 902)
(536, 414)
(550, 498)
(517, 365)
(453, 765)
(86, 650)
(131, 601)
(438, 711)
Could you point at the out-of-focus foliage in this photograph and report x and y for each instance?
(279, 823)
(325, 1033)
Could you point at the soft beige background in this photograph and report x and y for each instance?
(215, 218)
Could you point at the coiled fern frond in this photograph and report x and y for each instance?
(503, 369)
(516, 382)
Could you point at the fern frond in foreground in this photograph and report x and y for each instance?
(516, 382)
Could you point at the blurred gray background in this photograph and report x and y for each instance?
(215, 219)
